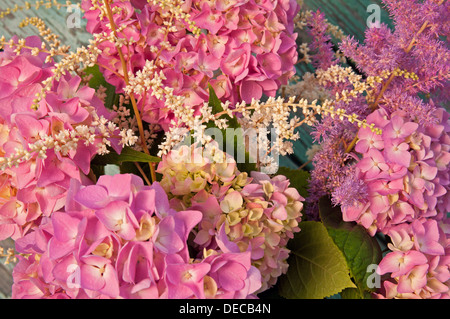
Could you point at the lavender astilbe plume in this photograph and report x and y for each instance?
(431, 62)
(419, 111)
(322, 55)
(351, 189)
(414, 46)
(396, 183)
(409, 17)
(330, 168)
(380, 45)
(331, 162)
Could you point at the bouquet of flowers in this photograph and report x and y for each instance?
(146, 164)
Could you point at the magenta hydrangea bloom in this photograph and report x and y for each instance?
(240, 59)
(121, 239)
(42, 150)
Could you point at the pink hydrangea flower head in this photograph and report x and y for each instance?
(404, 179)
(407, 200)
(42, 150)
(373, 164)
(125, 241)
(221, 54)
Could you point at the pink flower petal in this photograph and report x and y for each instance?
(168, 241)
(250, 90)
(92, 196)
(91, 277)
(280, 212)
(65, 227)
(118, 186)
(209, 20)
(415, 280)
(232, 276)
(189, 275)
(236, 63)
(111, 287)
(224, 243)
(396, 153)
(116, 217)
(352, 213)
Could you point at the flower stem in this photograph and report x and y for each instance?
(305, 164)
(127, 82)
(142, 173)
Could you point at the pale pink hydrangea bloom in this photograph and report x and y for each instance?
(419, 263)
(406, 172)
(407, 178)
(39, 156)
(121, 239)
(190, 169)
(258, 214)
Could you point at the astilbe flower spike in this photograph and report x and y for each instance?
(322, 55)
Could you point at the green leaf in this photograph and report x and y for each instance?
(354, 293)
(359, 248)
(298, 179)
(127, 155)
(236, 142)
(97, 80)
(317, 268)
(216, 106)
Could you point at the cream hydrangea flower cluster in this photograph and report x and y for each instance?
(240, 213)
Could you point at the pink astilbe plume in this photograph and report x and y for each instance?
(323, 55)
(415, 45)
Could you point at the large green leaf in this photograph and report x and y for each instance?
(127, 155)
(354, 293)
(317, 268)
(359, 248)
